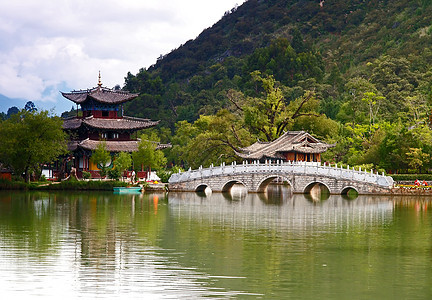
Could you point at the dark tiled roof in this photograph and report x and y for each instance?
(111, 146)
(291, 141)
(72, 145)
(72, 123)
(125, 123)
(102, 95)
(4, 169)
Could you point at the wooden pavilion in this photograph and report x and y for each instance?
(291, 146)
(101, 118)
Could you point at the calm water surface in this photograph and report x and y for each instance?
(185, 245)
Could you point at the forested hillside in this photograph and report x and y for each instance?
(358, 73)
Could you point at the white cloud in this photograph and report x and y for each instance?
(46, 45)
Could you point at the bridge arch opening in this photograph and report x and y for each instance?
(203, 189)
(228, 186)
(349, 192)
(274, 190)
(317, 191)
(273, 181)
(234, 190)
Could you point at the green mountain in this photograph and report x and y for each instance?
(367, 63)
(341, 35)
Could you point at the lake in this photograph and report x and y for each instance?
(217, 246)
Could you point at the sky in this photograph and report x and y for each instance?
(53, 46)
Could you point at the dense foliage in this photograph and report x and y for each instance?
(148, 156)
(30, 139)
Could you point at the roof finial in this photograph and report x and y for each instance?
(99, 82)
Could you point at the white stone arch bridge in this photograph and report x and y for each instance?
(302, 177)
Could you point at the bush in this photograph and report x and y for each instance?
(114, 174)
(84, 185)
(74, 185)
(13, 185)
(86, 175)
(164, 175)
(411, 177)
(17, 178)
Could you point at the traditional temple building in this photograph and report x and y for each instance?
(5, 172)
(101, 118)
(291, 146)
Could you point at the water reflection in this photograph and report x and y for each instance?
(288, 210)
(316, 198)
(215, 245)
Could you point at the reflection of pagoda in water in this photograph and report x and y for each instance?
(101, 118)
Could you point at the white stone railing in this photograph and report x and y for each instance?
(298, 168)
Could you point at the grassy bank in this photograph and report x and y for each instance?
(72, 185)
(411, 177)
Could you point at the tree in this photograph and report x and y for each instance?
(210, 139)
(102, 158)
(355, 109)
(287, 63)
(417, 108)
(417, 158)
(373, 102)
(394, 78)
(30, 106)
(147, 154)
(269, 115)
(123, 161)
(12, 111)
(30, 139)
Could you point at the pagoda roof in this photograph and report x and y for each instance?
(100, 94)
(111, 146)
(290, 141)
(125, 123)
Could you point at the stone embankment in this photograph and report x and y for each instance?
(411, 190)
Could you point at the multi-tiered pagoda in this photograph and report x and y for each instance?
(101, 118)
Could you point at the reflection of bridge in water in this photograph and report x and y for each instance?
(302, 177)
(295, 211)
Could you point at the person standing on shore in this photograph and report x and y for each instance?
(133, 177)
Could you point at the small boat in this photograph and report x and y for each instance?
(127, 190)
